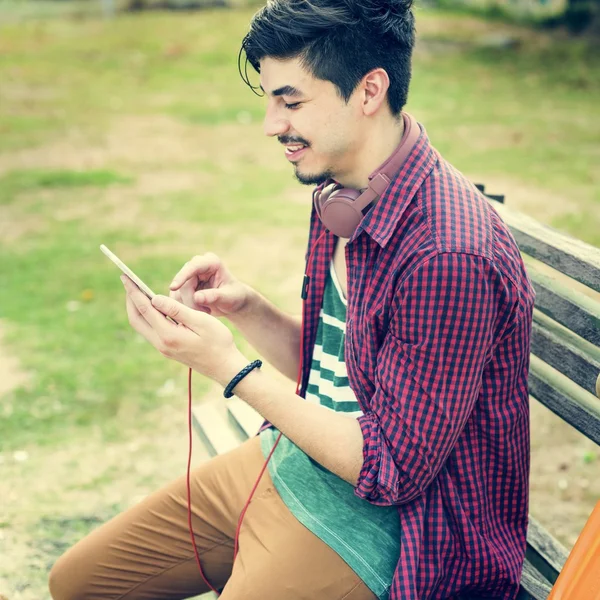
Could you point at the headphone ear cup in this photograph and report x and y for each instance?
(321, 195)
(339, 211)
(317, 203)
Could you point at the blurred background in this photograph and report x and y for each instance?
(126, 123)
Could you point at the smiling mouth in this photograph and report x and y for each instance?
(293, 151)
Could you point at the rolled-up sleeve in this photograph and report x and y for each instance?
(450, 311)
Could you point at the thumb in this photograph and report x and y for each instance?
(171, 308)
(206, 296)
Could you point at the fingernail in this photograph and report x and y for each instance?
(123, 278)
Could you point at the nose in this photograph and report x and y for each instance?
(275, 122)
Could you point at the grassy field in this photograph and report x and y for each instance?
(138, 133)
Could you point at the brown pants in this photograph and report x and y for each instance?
(146, 553)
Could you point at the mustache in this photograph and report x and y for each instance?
(288, 139)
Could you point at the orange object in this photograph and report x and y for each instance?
(580, 577)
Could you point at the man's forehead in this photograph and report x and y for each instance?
(284, 77)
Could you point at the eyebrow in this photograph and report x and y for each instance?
(286, 90)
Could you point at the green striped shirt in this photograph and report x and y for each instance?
(367, 537)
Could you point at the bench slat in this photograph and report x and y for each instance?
(568, 353)
(524, 594)
(569, 307)
(212, 427)
(244, 417)
(544, 553)
(534, 585)
(565, 398)
(568, 255)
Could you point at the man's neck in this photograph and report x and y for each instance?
(383, 139)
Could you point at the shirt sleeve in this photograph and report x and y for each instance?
(429, 374)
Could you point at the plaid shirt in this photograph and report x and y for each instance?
(437, 353)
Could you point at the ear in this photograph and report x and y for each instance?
(374, 86)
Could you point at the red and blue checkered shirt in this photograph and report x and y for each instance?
(437, 352)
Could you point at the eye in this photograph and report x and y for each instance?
(292, 106)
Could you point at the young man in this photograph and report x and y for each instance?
(403, 467)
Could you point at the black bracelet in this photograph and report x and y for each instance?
(229, 389)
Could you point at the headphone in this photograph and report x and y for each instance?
(342, 209)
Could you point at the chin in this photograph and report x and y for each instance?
(312, 178)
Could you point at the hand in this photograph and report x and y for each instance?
(204, 284)
(198, 340)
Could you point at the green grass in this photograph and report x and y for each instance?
(74, 337)
(20, 181)
(530, 114)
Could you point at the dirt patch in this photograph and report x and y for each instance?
(51, 499)
(14, 225)
(134, 140)
(164, 154)
(120, 204)
(150, 142)
(565, 475)
(11, 374)
(525, 198)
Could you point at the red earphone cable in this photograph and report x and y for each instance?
(189, 463)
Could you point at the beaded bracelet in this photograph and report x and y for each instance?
(229, 389)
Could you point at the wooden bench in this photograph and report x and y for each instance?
(564, 372)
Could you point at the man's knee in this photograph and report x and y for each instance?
(61, 582)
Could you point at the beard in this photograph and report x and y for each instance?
(314, 178)
(305, 179)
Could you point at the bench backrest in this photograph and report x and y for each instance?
(564, 372)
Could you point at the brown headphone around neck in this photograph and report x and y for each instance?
(341, 209)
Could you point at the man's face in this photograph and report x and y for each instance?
(318, 130)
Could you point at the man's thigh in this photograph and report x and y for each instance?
(146, 552)
(280, 559)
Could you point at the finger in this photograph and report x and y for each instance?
(146, 312)
(204, 265)
(176, 295)
(207, 296)
(187, 292)
(192, 319)
(138, 322)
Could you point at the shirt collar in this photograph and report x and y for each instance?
(381, 221)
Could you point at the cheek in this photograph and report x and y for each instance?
(335, 137)
(328, 128)
(323, 134)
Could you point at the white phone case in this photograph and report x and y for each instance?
(143, 287)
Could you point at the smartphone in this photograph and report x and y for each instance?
(143, 287)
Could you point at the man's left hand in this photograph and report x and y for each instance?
(199, 340)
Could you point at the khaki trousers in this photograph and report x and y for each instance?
(146, 553)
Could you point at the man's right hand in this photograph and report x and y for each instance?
(205, 284)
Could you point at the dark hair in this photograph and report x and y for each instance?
(337, 40)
